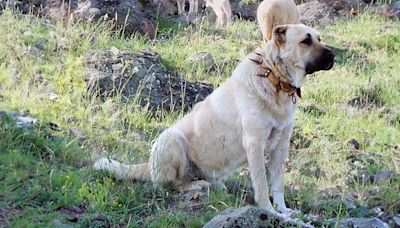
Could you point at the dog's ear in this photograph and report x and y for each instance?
(279, 34)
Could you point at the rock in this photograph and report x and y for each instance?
(127, 15)
(21, 120)
(203, 58)
(165, 7)
(250, 216)
(364, 159)
(360, 223)
(317, 13)
(49, 96)
(74, 213)
(354, 144)
(361, 176)
(25, 6)
(76, 133)
(141, 77)
(70, 119)
(54, 127)
(25, 122)
(59, 224)
(396, 220)
(386, 175)
(245, 9)
(392, 11)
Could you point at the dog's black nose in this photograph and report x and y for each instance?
(329, 58)
(324, 61)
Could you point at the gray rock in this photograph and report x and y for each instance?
(76, 133)
(385, 175)
(127, 15)
(21, 120)
(250, 216)
(245, 9)
(392, 11)
(204, 58)
(396, 220)
(354, 144)
(143, 78)
(360, 223)
(317, 13)
(57, 223)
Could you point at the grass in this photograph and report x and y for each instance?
(45, 172)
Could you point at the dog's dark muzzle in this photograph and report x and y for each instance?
(323, 62)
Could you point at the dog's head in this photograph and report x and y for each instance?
(300, 52)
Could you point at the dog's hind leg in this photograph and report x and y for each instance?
(168, 161)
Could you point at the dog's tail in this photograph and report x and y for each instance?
(122, 171)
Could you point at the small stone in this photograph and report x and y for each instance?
(54, 127)
(396, 219)
(70, 119)
(250, 216)
(76, 133)
(354, 144)
(382, 176)
(360, 222)
(49, 96)
(26, 122)
(205, 58)
(96, 108)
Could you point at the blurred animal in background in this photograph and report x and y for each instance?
(193, 6)
(271, 13)
(222, 9)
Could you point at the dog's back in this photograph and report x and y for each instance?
(271, 13)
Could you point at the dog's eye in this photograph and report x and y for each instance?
(307, 41)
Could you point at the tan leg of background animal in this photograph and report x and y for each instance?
(193, 6)
(222, 9)
(226, 7)
(181, 6)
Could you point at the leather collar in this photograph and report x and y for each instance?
(279, 85)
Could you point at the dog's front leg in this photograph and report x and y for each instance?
(254, 144)
(276, 167)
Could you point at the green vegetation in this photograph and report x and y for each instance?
(44, 173)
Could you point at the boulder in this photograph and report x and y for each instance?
(360, 223)
(245, 9)
(392, 11)
(141, 76)
(250, 216)
(126, 14)
(317, 13)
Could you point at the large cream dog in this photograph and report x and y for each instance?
(271, 13)
(249, 116)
